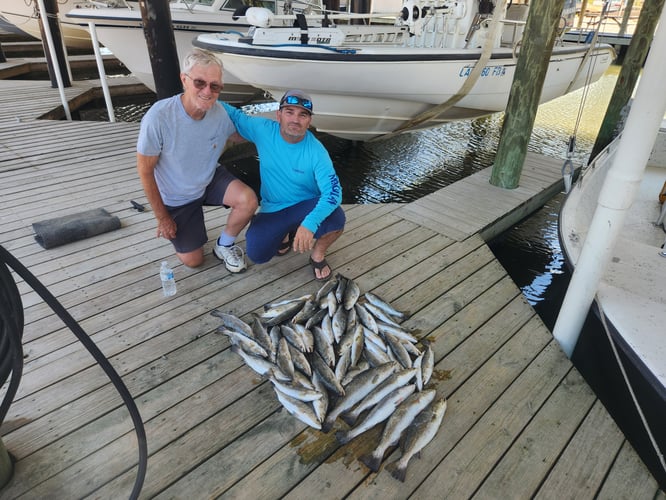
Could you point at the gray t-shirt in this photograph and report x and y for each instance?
(188, 149)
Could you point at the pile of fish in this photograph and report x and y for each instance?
(340, 353)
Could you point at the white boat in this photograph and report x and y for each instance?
(7, 27)
(24, 14)
(372, 79)
(120, 30)
(632, 291)
(613, 234)
(631, 295)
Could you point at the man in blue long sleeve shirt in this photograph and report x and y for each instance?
(300, 190)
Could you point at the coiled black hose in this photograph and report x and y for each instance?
(11, 349)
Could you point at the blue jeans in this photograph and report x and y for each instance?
(267, 230)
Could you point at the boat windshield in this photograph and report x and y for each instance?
(223, 4)
(235, 4)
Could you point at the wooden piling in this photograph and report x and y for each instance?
(521, 109)
(158, 30)
(51, 7)
(626, 81)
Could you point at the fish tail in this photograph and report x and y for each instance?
(349, 419)
(397, 470)
(371, 461)
(343, 437)
(327, 425)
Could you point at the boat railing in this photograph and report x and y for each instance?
(444, 24)
(193, 6)
(108, 4)
(303, 6)
(436, 24)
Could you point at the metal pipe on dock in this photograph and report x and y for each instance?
(102, 71)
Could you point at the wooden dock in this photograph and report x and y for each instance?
(521, 422)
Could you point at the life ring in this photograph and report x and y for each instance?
(662, 195)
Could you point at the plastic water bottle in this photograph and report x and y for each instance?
(168, 281)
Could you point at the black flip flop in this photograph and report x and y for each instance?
(320, 265)
(286, 245)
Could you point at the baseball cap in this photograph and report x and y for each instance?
(297, 98)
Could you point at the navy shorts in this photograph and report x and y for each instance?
(190, 228)
(267, 230)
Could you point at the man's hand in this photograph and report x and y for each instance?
(304, 240)
(166, 228)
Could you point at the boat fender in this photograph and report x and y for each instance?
(567, 175)
(568, 168)
(662, 194)
(259, 16)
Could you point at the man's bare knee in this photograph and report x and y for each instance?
(248, 201)
(191, 259)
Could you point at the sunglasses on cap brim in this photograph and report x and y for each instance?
(293, 100)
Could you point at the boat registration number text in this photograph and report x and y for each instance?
(316, 40)
(487, 71)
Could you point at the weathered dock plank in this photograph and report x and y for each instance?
(475, 206)
(541, 441)
(598, 435)
(628, 479)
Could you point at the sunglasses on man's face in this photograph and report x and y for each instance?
(202, 84)
(292, 100)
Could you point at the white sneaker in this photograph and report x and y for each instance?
(233, 257)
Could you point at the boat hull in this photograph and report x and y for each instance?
(350, 104)
(632, 290)
(631, 301)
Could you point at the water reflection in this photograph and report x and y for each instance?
(531, 254)
(406, 167)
